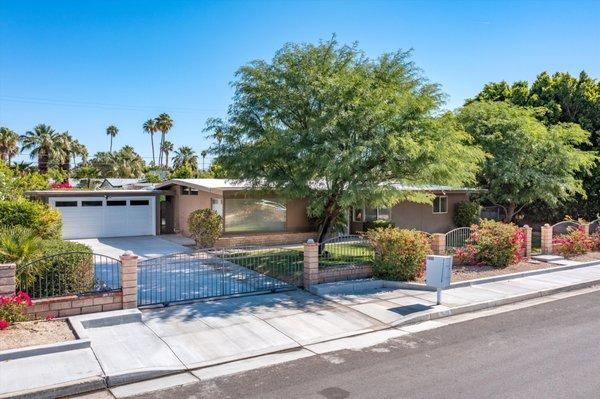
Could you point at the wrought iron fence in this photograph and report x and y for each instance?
(564, 227)
(457, 238)
(346, 250)
(69, 273)
(214, 272)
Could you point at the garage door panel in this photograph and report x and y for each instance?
(100, 217)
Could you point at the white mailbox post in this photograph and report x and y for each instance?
(438, 271)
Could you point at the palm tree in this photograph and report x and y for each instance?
(185, 156)
(79, 150)
(166, 148)
(41, 142)
(150, 128)
(111, 131)
(164, 123)
(87, 174)
(65, 146)
(203, 154)
(9, 144)
(123, 163)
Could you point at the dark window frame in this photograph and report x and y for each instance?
(139, 202)
(92, 203)
(66, 204)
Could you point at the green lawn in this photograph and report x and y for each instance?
(287, 264)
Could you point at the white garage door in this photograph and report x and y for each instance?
(91, 217)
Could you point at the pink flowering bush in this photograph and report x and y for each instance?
(575, 242)
(492, 243)
(399, 254)
(13, 309)
(61, 186)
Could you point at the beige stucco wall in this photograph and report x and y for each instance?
(185, 204)
(296, 218)
(409, 215)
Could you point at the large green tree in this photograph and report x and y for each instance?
(327, 123)
(560, 98)
(529, 162)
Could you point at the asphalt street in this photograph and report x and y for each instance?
(545, 351)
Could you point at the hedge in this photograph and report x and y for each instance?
(71, 272)
(39, 217)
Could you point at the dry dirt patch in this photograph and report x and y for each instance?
(37, 332)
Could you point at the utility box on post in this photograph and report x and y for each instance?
(438, 272)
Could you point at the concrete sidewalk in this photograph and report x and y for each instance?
(230, 333)
(396, 307)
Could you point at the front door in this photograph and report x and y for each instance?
(167, 225)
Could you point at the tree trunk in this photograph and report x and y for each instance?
(160, 152)
(110, 149)
(43, 163)
(167, 160)
(152, 142)
(510, 212)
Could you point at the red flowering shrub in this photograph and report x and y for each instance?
(575, 242)
(49, 317)
(399, 254)
(14, 308)
(63, 185)
(4, 324)
(492, 243)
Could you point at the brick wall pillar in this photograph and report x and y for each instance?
(129, 283)
(547, 239)
(438, 243)
(311, 264)
(7, 279)
(528, 234)
(586, 228)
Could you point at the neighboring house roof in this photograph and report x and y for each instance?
(220, 185)
(118, 182)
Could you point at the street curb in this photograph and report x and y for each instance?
(492, 304)
(59, 390)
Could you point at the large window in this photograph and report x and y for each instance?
(440, 204)
(371, 214)
(254, 214)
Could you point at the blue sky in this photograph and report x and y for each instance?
(82, 65)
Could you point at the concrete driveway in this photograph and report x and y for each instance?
(144, 246)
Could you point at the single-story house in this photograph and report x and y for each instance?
(165, 208)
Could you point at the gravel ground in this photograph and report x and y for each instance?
(462, 273)
(37, 332)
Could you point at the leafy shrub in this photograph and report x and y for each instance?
(575, 242)
(399, 254)
(466, 214)
(13, 309)
(492, 243)
(39, 217)
(378, 224)
(65, 268)
(205, 226)
(20, 245)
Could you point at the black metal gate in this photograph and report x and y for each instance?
(211, 273)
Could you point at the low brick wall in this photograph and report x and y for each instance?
(281, 238)
(342, 273)
(72, 305)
